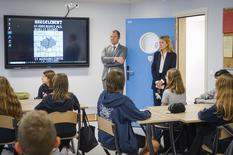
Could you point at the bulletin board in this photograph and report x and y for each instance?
(228, 38)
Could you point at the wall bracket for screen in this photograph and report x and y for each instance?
(71, 6)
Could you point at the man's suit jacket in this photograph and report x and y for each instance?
(170, 62)
(108, 59)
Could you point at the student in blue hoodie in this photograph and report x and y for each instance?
(120, 109)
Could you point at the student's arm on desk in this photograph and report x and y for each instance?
(209, 115)
(41, 105)
(40, 93)
(207, 97)
(131, 112)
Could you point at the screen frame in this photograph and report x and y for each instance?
(46, 65)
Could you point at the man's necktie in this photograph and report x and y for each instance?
(113, 50)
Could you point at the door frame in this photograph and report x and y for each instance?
(191, 13)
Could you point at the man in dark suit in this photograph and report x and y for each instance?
(113, 56)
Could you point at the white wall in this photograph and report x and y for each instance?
(170, 8)
(84, 82)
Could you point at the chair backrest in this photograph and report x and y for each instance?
(226, 131)
(105, 125)
(110, 128)
(223, 132)
(7, 122)
(64, 117)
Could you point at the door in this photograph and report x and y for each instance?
(142, 40)
(192, 49)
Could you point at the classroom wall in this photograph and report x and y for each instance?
(84, 82)
(171, 8)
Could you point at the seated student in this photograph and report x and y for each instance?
(118, 108)
(9, 106)
(211, 94)
(60, 100)
(36, 134)
(175, 91)
(47, 84)
(220, 113)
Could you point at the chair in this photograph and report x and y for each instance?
(223, 132)
(8, 122)
(229, 150)
(110, 128)
(65, 117)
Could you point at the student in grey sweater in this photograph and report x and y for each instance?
(175, 91)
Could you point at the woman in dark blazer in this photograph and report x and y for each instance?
(164, 59)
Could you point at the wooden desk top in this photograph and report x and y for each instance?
(158, 118)
(162, 114)
(30, 104)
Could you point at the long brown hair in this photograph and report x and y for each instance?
(49, 74)
(60, 87)
(9, 103)
(175, 82)
(224, 89)
(168, 40)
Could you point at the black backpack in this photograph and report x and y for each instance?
(176, 108)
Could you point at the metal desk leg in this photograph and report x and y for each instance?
(149, 139)
(172, 138)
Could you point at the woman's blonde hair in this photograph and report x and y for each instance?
(224, 90)
(168, 40)
(175, 82)
(49, 74)
(9, 103)
(60, 87)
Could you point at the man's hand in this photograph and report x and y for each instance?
(120, 60)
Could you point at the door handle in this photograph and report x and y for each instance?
(129, 72)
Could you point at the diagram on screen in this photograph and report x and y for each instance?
(48, 44)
